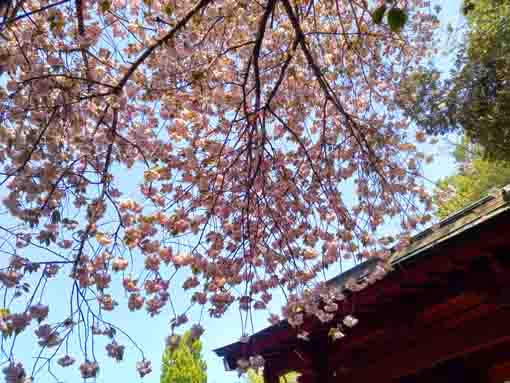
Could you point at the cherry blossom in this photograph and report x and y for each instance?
(89, 369)
(196, 331)
(115, 351)
(39, 312)
(222, 150)
(350, 321)
(66, 361)
(48, 337)
(144, 367)
(14, 373)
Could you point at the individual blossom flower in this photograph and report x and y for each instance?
(309, 253)
(350, 321)
(65, 244)
(103, 239)
(182, 259)
(352, 285)
(96, 330)
(66, 361)
(190, 283)
(102, 280)
(18, 322)
(107, 302)
(151, 247)
(119, 264)
(199, 297)
(221, 299)
(10, 278)
(335, 333)
(115, 351)
(89, 369)
(331, 307)
(196, 331)
(14, 373)
(156, 286)
(84, 277)
(23, 240)
(130, 284)
(331, 250)
(135, 302)
(152, 262)
(154, 305)
(303, 335)
(166, 254)
(127, 204)
(144, 367)
(172, 341)
(99, 262)
(39, 312)
(51, 271)
(17, 262)
(47, 336)
(4, 327)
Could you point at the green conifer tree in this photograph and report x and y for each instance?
(183, 363)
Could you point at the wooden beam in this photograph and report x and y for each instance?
(270, 376)
(454, 371)
(428, 348)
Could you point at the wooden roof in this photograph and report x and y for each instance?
(447, 269)
(457, 223)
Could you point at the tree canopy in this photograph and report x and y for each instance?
(182, 360)
(476, 96)
(475, 178)
(153, 151)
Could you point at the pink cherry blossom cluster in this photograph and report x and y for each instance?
(218, 150)
(115, 351)
(253, 362)
(89, 369)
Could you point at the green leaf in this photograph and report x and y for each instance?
(184, 362)
(396, 19)
(378, 14)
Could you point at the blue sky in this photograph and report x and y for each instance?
(150, 333)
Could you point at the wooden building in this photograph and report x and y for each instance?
(441, 315)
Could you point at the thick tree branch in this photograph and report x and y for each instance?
(256, 50)
(180, 25)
